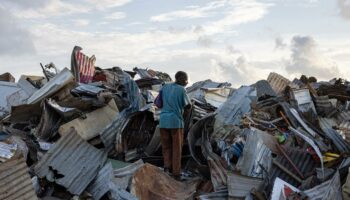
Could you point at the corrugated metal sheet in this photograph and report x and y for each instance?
(111, 135)
(123, 175)
(15, 182)
(300, 158)
(6, 89)
(255, 157)
(303, 99)
(240, 186)
(238, 104)
(346, 187)
(100, 185)
(326, 125)
(93, 123)
(329, 190)
(55, 84)
(278, 82)
(82, 66)
(343, 116)
(49, 122)
(264, 90)
(218, 195)
(71, 162)
(344, 130)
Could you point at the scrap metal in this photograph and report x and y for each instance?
(71, 162)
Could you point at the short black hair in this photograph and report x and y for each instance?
(180, 75)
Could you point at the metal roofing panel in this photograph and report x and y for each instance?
(255, 157)
(218, 195)
(240, 186)
(302, 160)
(329, 190)
(264, 90)
(71, 162)
(343, 116)
(15, 182)
(124, 175)
(326, 125)
(94, 122)
(238, 104)
(278, 82)
(100, 185)
(55, 84)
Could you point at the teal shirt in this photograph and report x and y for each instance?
(174, 100)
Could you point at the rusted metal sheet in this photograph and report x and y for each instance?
(94, 122)
(303, 161)
(123, 175)
(15, 182)
(240, 186)
(150, 182)
(71, 162)
(278, 82)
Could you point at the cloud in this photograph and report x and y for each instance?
(279, 43)
(344, 7)
(306, 59)
(116, 16)
(190, 12)
(238, 12)
(42, 9)
(14, 40)
(81, 22)
(205, 41)
(104, 4)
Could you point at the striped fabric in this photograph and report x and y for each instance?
(83, 66)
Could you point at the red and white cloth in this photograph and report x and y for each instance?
(83, 66)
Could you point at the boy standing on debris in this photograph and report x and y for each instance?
(176, 105)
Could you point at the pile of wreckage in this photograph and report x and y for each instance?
(92, 133)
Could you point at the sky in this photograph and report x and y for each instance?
(238, 41)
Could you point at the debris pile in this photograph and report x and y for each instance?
(92, 133)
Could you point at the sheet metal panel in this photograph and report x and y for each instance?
(278, 82)
(55, 84)
(326, 125)
(240, 186)
(15, 182)
(71, 162)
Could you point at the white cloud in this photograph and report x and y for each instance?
(14, 40)
(49, 8)
(81, 22)
(116, 16)
(104, 4)
(306, 59)
(279, 43)
(190, 12)
(344, 7)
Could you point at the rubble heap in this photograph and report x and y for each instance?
(92, 133)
